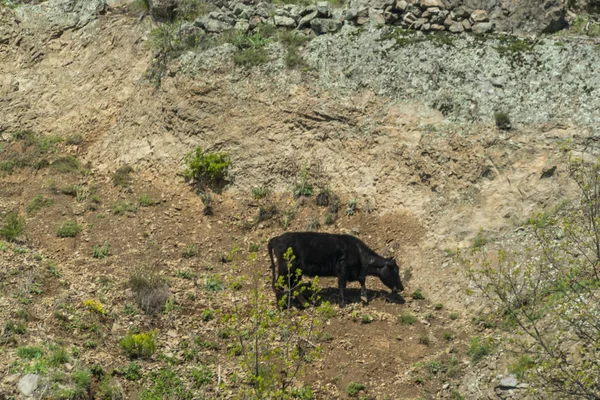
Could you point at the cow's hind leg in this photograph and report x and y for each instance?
(342, 288)
(363, 291)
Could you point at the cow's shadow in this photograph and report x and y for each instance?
(352, 295)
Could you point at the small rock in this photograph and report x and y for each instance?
(28, 384)
(426, 27)
(479, 16)
(401, 5)
(466, 24)
(432, 3)
(509, 382)
(446, 386)
(548, 171)
(350, 15)
(456, 28)
(242, 26)
(306, 19)
(323, 9)
(483, 27)
(409, 18)
(420, 22)
(437, 27)
(322, 25)
(286, 22)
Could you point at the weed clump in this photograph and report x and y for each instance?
(407, 319)
(479, 348)
(417, 295)
(68, 229)
(13, 226)
(122, 176)
(353, 388)
(139, 345)
(65, 164)
(37, 203)
(101, 251)
(502, 121)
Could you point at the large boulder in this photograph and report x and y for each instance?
(59, 15)
(325, 25)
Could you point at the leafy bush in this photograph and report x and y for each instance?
(352, 206)
(207, 168)
(202, 376)
(13, 226)
(251, 48)
(132, 372)
(329, 219)
(37, 203)
(68, 229)
(139, 345)
(417, 295)
(438, 306)
(166, 384)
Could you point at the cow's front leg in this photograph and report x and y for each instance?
(342, 287)
(363, 291)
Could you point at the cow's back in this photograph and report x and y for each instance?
(318, 253)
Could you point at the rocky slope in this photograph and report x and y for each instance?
(402, 121)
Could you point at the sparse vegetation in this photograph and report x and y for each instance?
(145, 200)
(479, 348)
(448, 336)
(139, 345)
(122, 176)
(74, 140)
(424, 340)
(354, 388)
(351, 207)
(407, 319)
(417, 295)
(151, 289)
(453, 316)
(65, 164)
(122, 206)
(438, 306)
(132, 372)
(110, 389)
(101, 251)
(68, 229)
(12, 226)
(95, 306)
(260, 192)
(329, 219)
(37, 203)
(303, 187)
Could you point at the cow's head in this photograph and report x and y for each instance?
(390, 275)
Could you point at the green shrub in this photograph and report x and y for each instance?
(19, 328)
(132, 372)
(190, 251)
(207, 315)
(213, 283)
(13, 226)
(329, 219)
(366, 319)
(139, 345)
(407, 319)
(424, 340)
(353, 388)
(253, 247)
(303, 187)
(202, 376)
(68, 229)
(146, 200)
(520, 366)
(251, 49)
(207, 168)
(30, 353)
(166, 384)
(479, 348)
(99, 251)
(502, 121)
(185, 274)
(74, 140)
(120, 207)
(448, 336)
(352, 206)
(122, 176)
(65, 164)
(417, 295)
(82, 380)
(37, 203)
(453, 316)
(58, 357)
(438, 306)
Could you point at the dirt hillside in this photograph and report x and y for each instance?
(424, 185)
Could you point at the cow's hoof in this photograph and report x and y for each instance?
(342, 305)
(364, 299)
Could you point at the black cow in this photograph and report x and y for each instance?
(325, 254)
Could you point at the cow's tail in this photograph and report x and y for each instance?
(271, 251)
